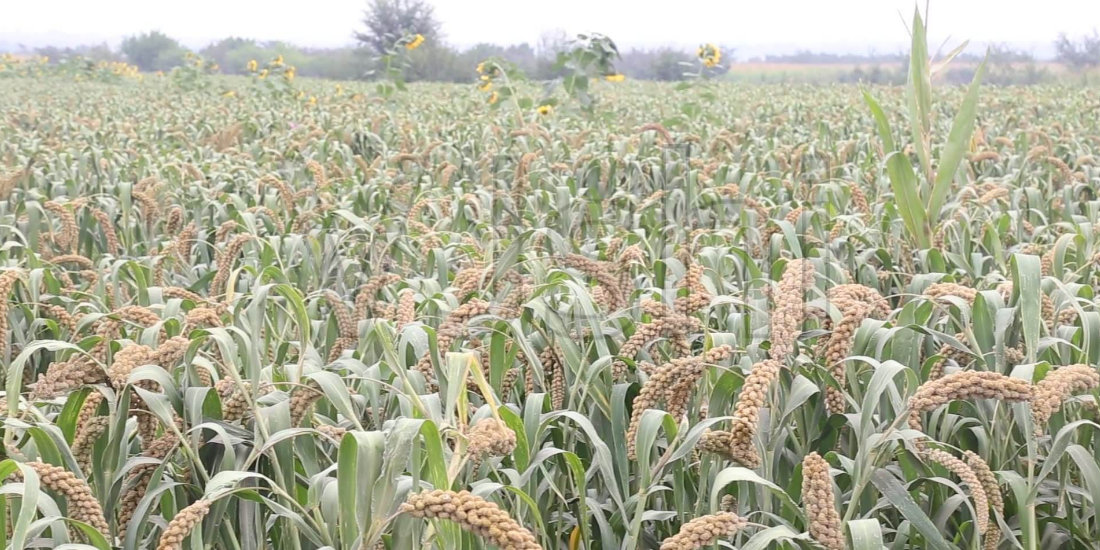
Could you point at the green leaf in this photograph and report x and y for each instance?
(902, 179)
(1027, 274)
(894, 492)
(866, 534)
(919, 92)
(958, 141)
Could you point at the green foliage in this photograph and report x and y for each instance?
(590, 57)
(153, 51)
(194, 73)
(1081, 53)
(387, 21)
(920, 200)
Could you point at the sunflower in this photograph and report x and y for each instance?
(415, 43)
(278, 61)
(493, 97)
(263, 74)
(545, 109)
(252, 65)
(710, 55)
(618, 77)
(481, 67)
(290, 73)
(485, 85)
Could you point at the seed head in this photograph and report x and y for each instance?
(82, 504)
(786, 321)
(966, 385)
(474, 514)
(967, 475)
(704, 531)
(820, 503)
(489, 437)
(1059, 385)
(182, 525)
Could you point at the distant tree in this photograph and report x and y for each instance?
(233, 54)
(669, 65)
(389, 20)
(153, 51)
(1085, 53)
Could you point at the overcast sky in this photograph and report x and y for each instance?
(753, 26)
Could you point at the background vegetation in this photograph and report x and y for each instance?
(386, 20)
(267, 311)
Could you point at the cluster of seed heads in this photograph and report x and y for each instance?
(746, 414)
(698, 297)
(665, 323)
(64, 376)
(856, 303)
(947, 353)
(203, 317)
(453, 328)
(234, 398)
(819, 503)
(81, 502)
(973, 484)
(1058, 385)
(474, 514)
(489, 437)
(966, 385)
(789, 312)
(225, 264)
(988, 480)
(301, 400)
(704, 531)
(609, 293)
(366, 299)
(938, 291)
(555, 371)
(85, 439)
(7, 283)
(139, 477)
(673, 383)
(182, 524)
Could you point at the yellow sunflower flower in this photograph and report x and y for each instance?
(710, 55)
(416, 42)
(481, 67)
(253, 65)
(493, 98)
(263, 74)
(278, 61)
(290, 73)
(615, 77)
(485, 86)
(545, 109)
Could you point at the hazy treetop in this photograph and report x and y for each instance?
(849, 26)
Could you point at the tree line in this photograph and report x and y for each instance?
(386, 21)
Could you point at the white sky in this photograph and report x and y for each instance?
(751, 25)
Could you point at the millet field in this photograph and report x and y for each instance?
(277, 312)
